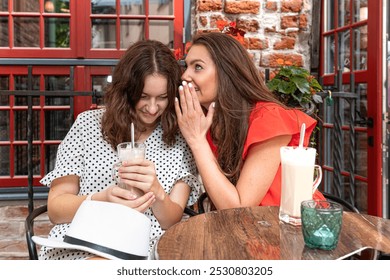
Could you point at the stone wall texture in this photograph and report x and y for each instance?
(277, 31)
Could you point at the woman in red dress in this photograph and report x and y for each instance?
(234, 125)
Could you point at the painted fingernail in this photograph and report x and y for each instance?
(184, 83)
(180, 87)
(176, 99)
(190, 85)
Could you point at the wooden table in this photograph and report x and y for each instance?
(257, 233)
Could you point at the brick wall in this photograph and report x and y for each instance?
(277, 31)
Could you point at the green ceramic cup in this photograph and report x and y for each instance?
(321, 223)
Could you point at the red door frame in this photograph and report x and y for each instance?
(375, 103)
(373, 77)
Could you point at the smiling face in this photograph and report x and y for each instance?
(153, 101)
(201, 72)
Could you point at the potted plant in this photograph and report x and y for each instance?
(296, 87)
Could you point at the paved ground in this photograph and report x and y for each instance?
(13, 244)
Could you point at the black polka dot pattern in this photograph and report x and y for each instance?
(85, 153)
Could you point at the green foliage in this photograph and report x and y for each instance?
(295, 86)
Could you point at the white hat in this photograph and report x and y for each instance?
(106, 229)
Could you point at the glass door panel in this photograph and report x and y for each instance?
(360, 47)
(360, 10)
(161, 7)
(344, 129)
(344, 14)
(344, 51)
(328, 17)
(329, 54)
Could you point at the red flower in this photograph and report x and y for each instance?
(232, 24)
(221, 24)
(177, 53)
(231, 29)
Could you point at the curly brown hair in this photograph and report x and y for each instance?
(240, 87)
(140, 60)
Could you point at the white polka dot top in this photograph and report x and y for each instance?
(85, 153)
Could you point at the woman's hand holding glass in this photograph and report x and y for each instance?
(122, 196)
(140, 174)
(128, 151)
(122, 192)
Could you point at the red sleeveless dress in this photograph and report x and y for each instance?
(268, 120)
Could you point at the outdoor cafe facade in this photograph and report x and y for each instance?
(56, 57)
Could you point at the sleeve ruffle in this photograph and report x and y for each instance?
(270, 121)
(194, 184)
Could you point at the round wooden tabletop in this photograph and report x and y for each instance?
(257, 233)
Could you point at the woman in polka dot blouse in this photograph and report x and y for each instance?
(142, 91)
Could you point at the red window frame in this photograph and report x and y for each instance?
(80, 31)
(79, 48)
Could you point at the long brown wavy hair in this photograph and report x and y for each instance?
(140, 60)
(240, 87)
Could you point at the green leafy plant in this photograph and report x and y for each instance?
(296, 87)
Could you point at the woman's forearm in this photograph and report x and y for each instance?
(62, 208)
(168, 209)
(220, 190)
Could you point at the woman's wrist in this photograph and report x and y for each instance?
(198, 144)
(161, 195)
(89, 196)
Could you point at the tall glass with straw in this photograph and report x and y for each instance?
(298, 184)
(128, 151)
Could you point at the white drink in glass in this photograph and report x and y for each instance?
(126, 153)
(297, 181)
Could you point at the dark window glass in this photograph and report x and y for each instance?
(20, 125)
(4, 32)
(4, 125)
(31, 6)
(21, 160)
(50, 157)
(4, 5)
(4, 85)
(57, 31)
(21, 83)
(26, 32)
(57, 124)
(4, 161)
(57, 83)
(99, 83)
